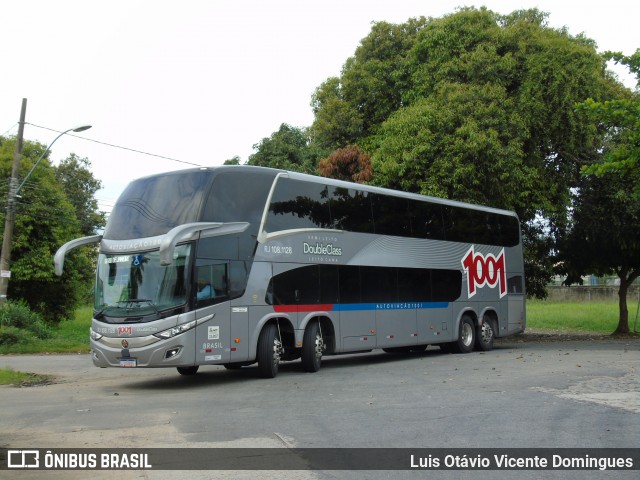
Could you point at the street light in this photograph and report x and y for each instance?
(81, 128)
(5, 258)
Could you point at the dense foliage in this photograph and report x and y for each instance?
(18, 324)
(288, 149)
(604, 237)
(604, 233)
(620, 118)
(55, 205)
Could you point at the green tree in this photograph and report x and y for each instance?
(464, 143)
(604, 237)
(80, 186)
(534, 73)
(620, 118)
(336, 123)
(288, 149)
(45, 219)
(370, 88)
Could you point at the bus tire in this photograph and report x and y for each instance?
(466, 336)
(485, 336)
(188, 370)
(312, 348)
(269, 351)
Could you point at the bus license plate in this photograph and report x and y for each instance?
(129, 362)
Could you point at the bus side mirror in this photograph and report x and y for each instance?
(58, 259)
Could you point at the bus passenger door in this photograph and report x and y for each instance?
(213, 336)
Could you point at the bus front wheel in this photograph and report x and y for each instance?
(312, 347)
(188, 370)
(269, 351)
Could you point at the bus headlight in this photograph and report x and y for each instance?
(173, 331)
(94, 335)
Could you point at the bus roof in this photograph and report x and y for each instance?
(344, 184)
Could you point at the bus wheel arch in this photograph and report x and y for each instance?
(486, 333)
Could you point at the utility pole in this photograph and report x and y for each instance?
(7, 236)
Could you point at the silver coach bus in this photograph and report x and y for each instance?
(236, 265)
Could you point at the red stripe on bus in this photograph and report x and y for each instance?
(302, 308)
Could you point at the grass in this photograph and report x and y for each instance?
(20, 379)
(573, 317)
(70, 336)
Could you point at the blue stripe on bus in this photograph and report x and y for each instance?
(350, 307)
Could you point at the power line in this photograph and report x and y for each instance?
(35, 188)
(118, 146)
(9, 129)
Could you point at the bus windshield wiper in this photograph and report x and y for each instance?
(98, 315)
(136, 301)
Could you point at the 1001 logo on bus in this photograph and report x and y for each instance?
(485, 270)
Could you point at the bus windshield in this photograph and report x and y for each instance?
(134, 285)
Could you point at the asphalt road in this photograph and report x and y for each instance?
(525, 394)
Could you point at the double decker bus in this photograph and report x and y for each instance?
(238, 265)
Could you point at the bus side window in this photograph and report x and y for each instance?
(211, 283)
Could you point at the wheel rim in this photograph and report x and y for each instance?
(486, 334)
(467, 334)
(277, 351)
(319, 347)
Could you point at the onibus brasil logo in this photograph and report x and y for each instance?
(485, 270)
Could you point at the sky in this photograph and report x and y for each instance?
(202, 81)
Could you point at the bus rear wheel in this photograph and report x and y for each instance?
(466, 336)
(485, 336)
(269, 351)
(312, 348)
